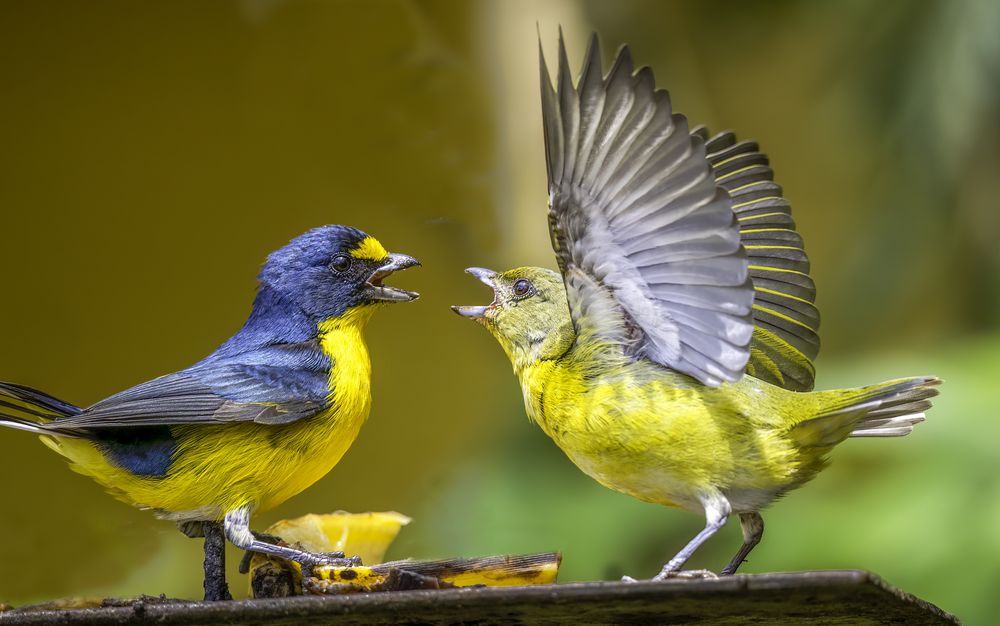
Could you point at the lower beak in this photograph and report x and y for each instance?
(472, 312)
(477, 312)
(378, 292)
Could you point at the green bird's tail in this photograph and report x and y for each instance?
(888, 409)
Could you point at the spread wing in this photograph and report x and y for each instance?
(634, 208)
(785, 338)
(273, 385)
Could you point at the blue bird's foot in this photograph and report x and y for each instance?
(237, 529)
(248, 554)
(320, 559)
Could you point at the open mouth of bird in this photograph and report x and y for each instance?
(486, 277)
(379, 291)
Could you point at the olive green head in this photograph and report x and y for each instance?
(529, 315)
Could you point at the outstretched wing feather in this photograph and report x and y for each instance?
(637, 220)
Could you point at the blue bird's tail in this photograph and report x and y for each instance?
(31, 410)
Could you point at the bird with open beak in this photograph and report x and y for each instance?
(671, 356)
(261, 418)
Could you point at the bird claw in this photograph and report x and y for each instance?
(687, 574)
(320, 559)
(335, 558)
(248, 554)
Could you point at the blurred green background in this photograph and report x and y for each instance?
(154, 153)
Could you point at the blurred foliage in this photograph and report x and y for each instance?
(155, 152)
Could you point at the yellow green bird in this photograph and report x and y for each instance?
(672, 357)
(264, 416)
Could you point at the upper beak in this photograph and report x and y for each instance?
(477, 312)
(484, 275)
(394, 263)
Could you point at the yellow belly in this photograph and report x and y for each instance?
(659, 439)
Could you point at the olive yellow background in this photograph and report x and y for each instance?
(153, 153)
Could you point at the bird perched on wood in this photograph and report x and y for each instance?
(266, 415)
(672, 358)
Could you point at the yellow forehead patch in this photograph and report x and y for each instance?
(370, 250)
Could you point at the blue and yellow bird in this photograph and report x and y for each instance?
(266, 415)
(672, 357)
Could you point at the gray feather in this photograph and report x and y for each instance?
(646, 241)
(208, 393)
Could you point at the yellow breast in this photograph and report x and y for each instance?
(351, 371)
(321, 441)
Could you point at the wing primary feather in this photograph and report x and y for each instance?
(592, 98)
(569, 113)
(639, 151)
(617, 109)
(550, 119)
(641, 114)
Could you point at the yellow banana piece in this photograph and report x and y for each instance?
(368, 536)
(492, 571)
(365, 535)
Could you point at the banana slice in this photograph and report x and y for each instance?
(365, 535)
(493, 571)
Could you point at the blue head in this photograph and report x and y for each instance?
(331, 269)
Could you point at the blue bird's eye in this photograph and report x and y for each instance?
(341, 263)
(522, 287)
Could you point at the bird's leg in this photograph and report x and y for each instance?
(267, 538)
(753, 529)
(716, 513)
(215, 563)
(237, 527)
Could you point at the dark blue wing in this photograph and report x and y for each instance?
(270, 385)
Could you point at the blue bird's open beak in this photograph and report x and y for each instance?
(376, 291)
(478, 312)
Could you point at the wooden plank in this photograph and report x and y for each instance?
(827, 597)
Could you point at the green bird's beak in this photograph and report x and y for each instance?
(478, 312)
(378, 292)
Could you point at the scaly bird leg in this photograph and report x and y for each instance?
(266, 538)
(716, 513)
(237, 527)
(215, 563)
(753, 529)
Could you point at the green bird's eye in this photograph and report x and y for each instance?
(341, 263)
(522, 287)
